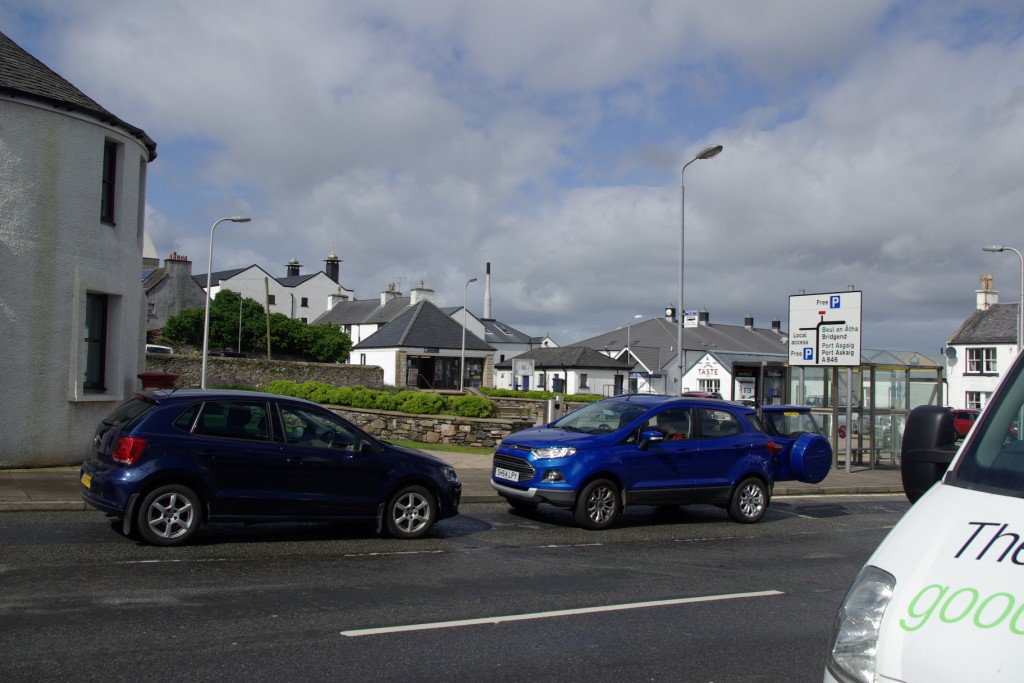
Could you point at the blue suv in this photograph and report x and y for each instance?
(645, 449)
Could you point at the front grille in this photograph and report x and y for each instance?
(519, 465)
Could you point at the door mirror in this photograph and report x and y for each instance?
(928, 448)
(649, 436)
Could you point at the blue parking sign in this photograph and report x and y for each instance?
(833, 301)
(808, 353)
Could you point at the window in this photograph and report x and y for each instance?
(272, 299)
(710, 385)
(583, 380)
(715, 423)
(234, 420)
(320, 430)
(981, 361)
(95, 342)
(304, 302)
(976, 400)
(362, 359)
(109, 192)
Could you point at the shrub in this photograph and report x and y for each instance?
(471, 406)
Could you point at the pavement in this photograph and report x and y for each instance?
(56, 488)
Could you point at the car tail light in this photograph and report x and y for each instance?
(128, 449)
(774, 448)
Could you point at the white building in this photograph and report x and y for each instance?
(72, 201)
(981, 350)
(306, 297)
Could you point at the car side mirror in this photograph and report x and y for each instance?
(649, 436)
(928, 448)
(365, 448)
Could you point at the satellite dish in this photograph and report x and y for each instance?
(950, 352)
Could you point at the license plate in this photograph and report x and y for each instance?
(86, 480)
(502, 473)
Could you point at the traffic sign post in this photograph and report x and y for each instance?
(824, 330)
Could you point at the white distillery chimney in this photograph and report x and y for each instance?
(487, 293)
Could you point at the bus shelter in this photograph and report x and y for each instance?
(864, 409)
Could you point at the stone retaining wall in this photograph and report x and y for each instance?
(450, 430)
(257, 372)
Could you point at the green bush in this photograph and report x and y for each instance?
(403, 400)
(540, 395)
(470, 406)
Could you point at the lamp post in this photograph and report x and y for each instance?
(462, 358)
(1020, 304)
(209, 274)
(628, 343)
(706, 153)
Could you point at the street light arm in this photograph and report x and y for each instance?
(209, 284)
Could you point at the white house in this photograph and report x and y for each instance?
(981, 350)
(563, 370)
(306, 297)
(72, 201)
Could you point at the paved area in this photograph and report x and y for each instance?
(56, 488)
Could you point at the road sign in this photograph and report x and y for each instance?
(824, 329)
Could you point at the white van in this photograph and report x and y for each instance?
(942, 598)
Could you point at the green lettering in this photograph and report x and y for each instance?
(923, 616)
(1014, 628)
(974, 599)
(981, 608)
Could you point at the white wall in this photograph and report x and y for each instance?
(959, 383)
(53, 251)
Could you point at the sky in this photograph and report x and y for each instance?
(876, 145)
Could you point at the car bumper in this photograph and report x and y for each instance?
(560, 498)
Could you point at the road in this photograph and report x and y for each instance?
(678, 595)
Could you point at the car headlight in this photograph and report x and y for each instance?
(855, 634)
(553, 452)
(449, 474)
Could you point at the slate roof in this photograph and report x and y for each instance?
(997, 325)
(218, 275)
(653, 341)
(422, 326)
(495, 331)
(576, 357)
(365, 312)
(24, 76)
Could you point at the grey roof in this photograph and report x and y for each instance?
(218, 275)
(997, 325)
(495, 331)
(365, 311)
(422, 326)
(653, 342)
(22, 75)
(576, 357)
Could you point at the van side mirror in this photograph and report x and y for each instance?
(929, 445)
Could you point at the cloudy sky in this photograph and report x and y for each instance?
(877, 143)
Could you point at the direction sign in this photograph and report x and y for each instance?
(824, 329)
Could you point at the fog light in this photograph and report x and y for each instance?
(553, 475)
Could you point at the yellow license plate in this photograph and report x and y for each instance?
(86, 480)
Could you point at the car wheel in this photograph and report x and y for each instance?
(169, 515)
(749, 501)
(411, 512)
(598, 505)
(521, 505)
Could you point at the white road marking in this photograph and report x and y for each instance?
(555, 613)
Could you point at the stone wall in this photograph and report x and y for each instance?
(433, 429)
(257, 372)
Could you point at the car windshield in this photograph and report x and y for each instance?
(994, 457)
(601, 417)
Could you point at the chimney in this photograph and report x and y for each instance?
(987, 297)
(777, 326)
(177, 265)
(748, 322)
(333, 267)
(419, 294)
(389, 294)
(704, 318)
(487, 293)
(293, 267)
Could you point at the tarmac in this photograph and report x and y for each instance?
(56, 488)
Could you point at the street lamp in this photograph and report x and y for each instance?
(706, 153)
(628, 344)
(1020, 304)
(462, 358)
(209, 274)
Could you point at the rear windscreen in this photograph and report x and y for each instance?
(126, 412)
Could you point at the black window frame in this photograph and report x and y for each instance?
(95, 342)
(108, 192)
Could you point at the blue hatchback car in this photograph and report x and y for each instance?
(644, 449)
(166, 461)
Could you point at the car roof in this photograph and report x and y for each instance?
(185, 395)
(652, 400)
